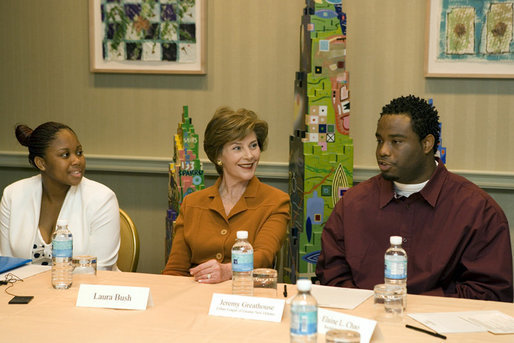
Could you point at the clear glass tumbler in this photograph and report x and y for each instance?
(84, 265)
(265, 282)
(388, 301)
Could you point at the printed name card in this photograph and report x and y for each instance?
(237, 306)
(328, 320)
(118, 297)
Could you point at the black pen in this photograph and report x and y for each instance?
(285, 291)
(425, 331)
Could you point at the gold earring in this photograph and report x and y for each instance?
(219, 163)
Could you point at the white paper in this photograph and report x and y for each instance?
(493, 321)
(237, 306)
(339, 297)
(452, 322)
(27, 270)
(118, 297)
(328, 320)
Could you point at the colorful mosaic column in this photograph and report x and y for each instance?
(441, 150)
(321, 151)
(185, 173)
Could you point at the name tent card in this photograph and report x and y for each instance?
(328, 320)
(118, 297)
(238, 306)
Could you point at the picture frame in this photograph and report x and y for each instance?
(469, 39)
(148, 36)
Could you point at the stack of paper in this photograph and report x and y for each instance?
(471, 321)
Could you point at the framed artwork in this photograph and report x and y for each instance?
(147, 36)
(469, 38)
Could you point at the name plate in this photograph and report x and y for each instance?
(118, 297)
(328, 320)
(238, 306)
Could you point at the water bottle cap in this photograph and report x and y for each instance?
(303, 285)
(396, 240)
(62, 222)
(242, 234)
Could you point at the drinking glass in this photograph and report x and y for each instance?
(342, 336)
(265, 282)
(84, 265)
(388, 301)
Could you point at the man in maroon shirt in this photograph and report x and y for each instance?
(455, 235)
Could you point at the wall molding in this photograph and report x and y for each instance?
(266, 170)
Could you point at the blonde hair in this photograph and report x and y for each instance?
(228, 125)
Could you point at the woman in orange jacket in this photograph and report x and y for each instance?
(206, 227)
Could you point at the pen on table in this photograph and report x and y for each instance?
(425, 331)
(285, 291)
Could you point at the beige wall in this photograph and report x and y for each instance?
(252, 54)
(252, 58)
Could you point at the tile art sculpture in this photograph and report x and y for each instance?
(321, 150)
(441, 151)
(186, 173)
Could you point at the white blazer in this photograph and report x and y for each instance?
(91, 210)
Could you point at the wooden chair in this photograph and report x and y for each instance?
(128, 255)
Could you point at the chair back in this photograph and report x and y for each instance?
(128, 255)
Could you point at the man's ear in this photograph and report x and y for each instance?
(40, 163)
(428, 143)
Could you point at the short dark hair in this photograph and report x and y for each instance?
(228, 125)
(39, 139)
(424, 117)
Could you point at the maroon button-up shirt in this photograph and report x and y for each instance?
(455, 235)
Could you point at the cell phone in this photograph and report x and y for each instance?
(21, 299)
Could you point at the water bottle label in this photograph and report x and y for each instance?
(395, 267)
(62, 248)
(242, 262)
(304, 323)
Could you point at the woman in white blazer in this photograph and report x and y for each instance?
(30, 208)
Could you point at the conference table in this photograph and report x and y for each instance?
(180, 314)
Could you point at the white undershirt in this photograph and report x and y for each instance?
(406, 190)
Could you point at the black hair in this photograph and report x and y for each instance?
(39, 139)
(424, 116)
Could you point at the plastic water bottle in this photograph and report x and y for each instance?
(395, 268)
(304, 314)
(242, 265)
(62, 253)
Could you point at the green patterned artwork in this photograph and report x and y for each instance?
(321, 151)
(186, 173)
(148, 36)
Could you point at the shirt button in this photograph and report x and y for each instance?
(219, 256)
(224, 232)
(405, 240)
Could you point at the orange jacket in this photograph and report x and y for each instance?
(203, 231)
